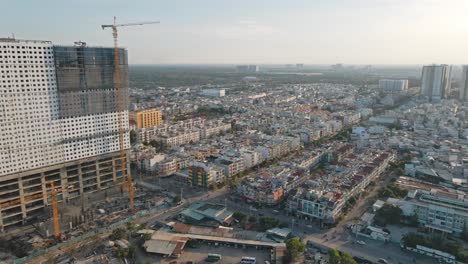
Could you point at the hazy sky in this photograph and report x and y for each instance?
(255, 31)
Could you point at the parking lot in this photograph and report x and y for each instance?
(229, 255)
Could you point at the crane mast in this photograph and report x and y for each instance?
(126, 180)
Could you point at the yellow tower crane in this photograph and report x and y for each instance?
(128, 180)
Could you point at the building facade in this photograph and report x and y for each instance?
(464, 84)
(59, 122)
(393, 86)
(437, 210)
(435, 81)
(147, 118)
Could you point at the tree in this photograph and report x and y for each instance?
(294, 247)
(388, 214)
(268, 223)
(242, 218)
(146, 236)
(252, 219)
(176, 199)
(347, 259)
(413, 220)
(335, 257)
(117, 234)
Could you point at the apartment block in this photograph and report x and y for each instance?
(436, 210)
(58, 122)
(393, 86)
(435, 81)
(146, 118)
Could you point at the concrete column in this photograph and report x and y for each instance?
(64, 183)
(21, 193)
(80, 179)
(98, 175)
(44, 189)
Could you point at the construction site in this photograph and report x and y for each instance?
(75, 177)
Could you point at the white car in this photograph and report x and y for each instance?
(360, 242)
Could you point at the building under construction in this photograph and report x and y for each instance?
(59, 121)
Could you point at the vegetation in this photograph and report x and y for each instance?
(158, 145)
(146, 236)
(337, 257)
(294, 248)
(118, 233)
(252, 219)
(212, 112)
(176, 199)
(268, 223)
(241, 217)
(437, 242)
(125, 252)
(388, 214)
(392, 190)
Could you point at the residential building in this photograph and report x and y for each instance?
(393, 86)
(146, 118)
(214, 92)
(437, 210)
(464, 84)
(203, 174)
(59, 122)
(435, 81)
(231, 165)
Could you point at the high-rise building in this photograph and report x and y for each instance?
(393, 86)
(147, 118)
(435, 81)
(58, 122)
(464, 84)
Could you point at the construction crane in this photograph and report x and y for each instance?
(53, 204)
(128, 180)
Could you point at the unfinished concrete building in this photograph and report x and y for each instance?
(58, 122)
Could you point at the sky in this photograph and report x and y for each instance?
(254, 31)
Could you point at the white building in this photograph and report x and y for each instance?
(464, 84)
(435, 81)
(393, 86)
(214, 92)
(56, 124)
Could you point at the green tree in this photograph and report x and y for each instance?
(335, 257)
(117, 234)
(242, 218)
(347, 259)
(176, 199)
(268, 223)
(294, 247)
(388, 214)
(252, 219)
(413, 220)
(146, 236)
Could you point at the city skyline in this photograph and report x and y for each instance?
(260, 32)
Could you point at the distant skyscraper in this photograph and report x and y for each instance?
(464, 84)
(248, 68)
(58, 122)
(435, 81)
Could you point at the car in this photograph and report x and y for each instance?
(360, 242)
(382, 260)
